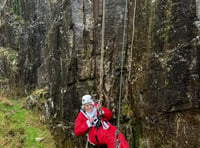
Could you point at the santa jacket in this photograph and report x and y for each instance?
(81, 126)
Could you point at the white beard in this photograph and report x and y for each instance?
(93, 114)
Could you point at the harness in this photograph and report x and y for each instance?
(98, 125)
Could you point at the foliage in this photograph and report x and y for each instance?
(9, 68)
(40, 94)
(15, 6)
(11, 57)
(21, 128)
(126, 110)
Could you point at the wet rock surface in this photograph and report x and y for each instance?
(58, 47)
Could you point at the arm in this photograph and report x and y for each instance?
(81, 125)
(107, 113)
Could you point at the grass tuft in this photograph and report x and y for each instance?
(21, 128)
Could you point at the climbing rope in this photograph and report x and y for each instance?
(122, 63)
(102, 58)
(117, 140)
(117, 133)
(132, 38)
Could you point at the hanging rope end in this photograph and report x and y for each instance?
(117, 139)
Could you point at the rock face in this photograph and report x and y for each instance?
(58, 49)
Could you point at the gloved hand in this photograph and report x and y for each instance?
(101, 112)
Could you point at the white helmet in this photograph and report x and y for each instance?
(87, 99)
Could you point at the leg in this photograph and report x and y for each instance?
(107, 137)
(123, 141)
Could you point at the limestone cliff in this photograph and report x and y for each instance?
(57, 44)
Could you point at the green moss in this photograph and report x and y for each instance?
(11, 57)
(14, 6)
(137, 136)
(126, 110)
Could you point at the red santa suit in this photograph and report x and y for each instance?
(104, 135)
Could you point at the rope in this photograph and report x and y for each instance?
(117, 139)
(86, 146)
(102, 57)
(117, 133)
(129, 76)
(122, 64)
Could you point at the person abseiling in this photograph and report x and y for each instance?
(100, 131)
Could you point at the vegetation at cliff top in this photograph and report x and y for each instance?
(21, 128)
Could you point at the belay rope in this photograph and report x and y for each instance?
(132, 38)
(102, 59)
(117, 133)
(101, 68)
